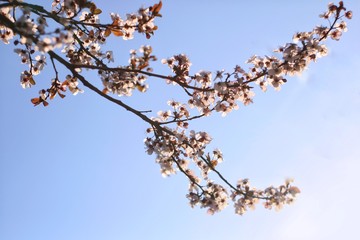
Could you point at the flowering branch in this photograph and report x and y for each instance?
(80, 36)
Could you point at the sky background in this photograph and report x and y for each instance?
(78, 169)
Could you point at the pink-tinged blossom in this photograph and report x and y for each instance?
(44, 45)
(164, 115)
(342, 26)
(26, 80)
(349, 14)
(336, 34)
(109, 56)
(72, 83)
(39, 65)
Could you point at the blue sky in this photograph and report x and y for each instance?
(78, 169)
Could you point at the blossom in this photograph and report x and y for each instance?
(219, 74)
(26, 80)
(44, 45)
(89, 17)
(23, 54)
(204, 78)
(349, 14)
(72, 84)
(39, 65)
(294, 190)
(42, 24)
(6, 34)
(336, 34)
(342, 26)
(94, 48)
(164, 115)
(109, 56)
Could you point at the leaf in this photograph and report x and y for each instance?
(65, 83)
(140, 87)
(35, 101)
(294, 190)
(32, 81)
(45, 103)
(156, 8)
(141, 67)
(52, 95)
(91, 6)
(117, 32)
(105, 91)
(61, 95)
(107, 32)
(214, 163)
(91, 33)
(97, 11)
(93, 9)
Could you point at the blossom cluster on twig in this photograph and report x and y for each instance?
(77, 43)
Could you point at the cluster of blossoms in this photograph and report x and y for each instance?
(175, 151)
(214, 197)
(173, 147)
(180, 66)
(6, 34)
(246, 197)
(80, 37)
(222, 94)
(142, 21)
(128, 78)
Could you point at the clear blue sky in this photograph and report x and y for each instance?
(78, 169)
